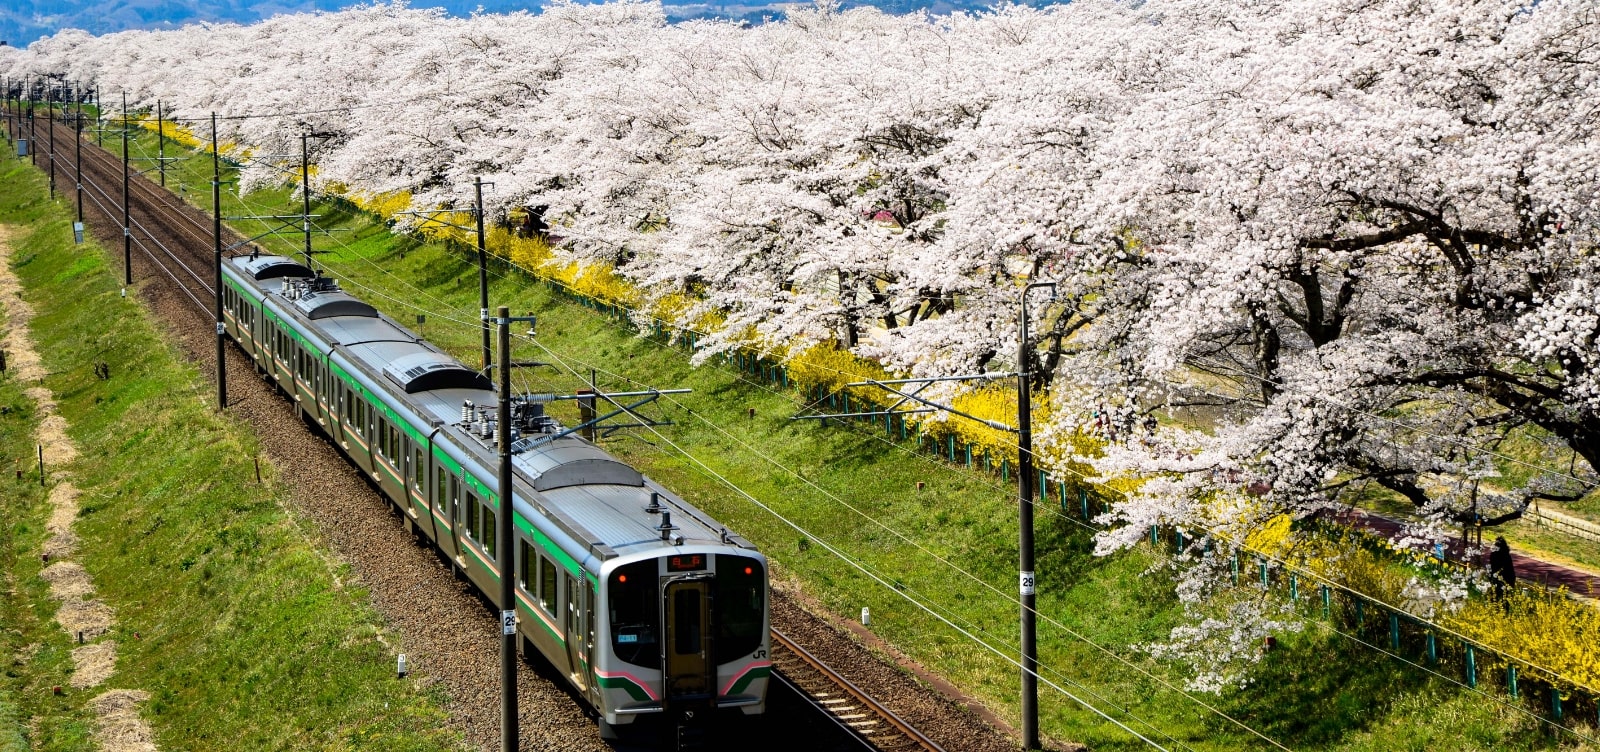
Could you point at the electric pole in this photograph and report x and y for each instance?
(77, 157)
(1026, 579)
(127, 223)
(483, 270)
(305, 187)
(509, 731)
(50, 127)
(216, 241)
(161, 145)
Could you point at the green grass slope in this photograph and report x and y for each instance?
(840, 512)
(228, 612)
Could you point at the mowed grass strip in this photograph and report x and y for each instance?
(227, 612)
(35, 652)
(1317, 691)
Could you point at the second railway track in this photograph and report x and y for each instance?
(850, 706)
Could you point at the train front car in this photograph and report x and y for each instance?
(685, 628)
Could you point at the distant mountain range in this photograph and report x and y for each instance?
(23, 21)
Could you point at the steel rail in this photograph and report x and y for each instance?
(94, 188)
(856, 693)
(164, 207)
(191, 226)
(845, 728)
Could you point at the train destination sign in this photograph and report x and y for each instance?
(686, 562)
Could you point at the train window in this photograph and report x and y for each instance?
(489, 539)
(524, 564)
(455, 500)
(417, 469)
(472, 517)
(686, 624)
(547, 585)
(439, 488)
(741, 607)
(634, 606)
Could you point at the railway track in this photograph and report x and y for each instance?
(843, 702)
(174, 238)
(172, 252)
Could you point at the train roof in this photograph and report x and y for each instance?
(603, 501)
(263, 268)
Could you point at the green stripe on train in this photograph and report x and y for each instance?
(760, 672)
(624, 683)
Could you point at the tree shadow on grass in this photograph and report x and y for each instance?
(1314, 689)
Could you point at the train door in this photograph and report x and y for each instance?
(688, 643)
(577, 654)
(590, 601)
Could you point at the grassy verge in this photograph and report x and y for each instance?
(228, 613)
(37, 652)
(949, 546)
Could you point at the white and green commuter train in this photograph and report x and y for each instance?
(645, 604)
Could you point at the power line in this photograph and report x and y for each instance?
(464, 323)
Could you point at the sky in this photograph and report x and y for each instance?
(23, 21)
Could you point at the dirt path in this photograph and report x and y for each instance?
(118, 727)
(1529, 569)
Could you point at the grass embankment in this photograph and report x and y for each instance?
(1318, 691)
(227, 611)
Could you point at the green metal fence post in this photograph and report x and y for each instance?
(1155, 533)
(1472, 667)
(1511, 681)
(969, 454)
(1083, 499)
(1234, 563)
(1555, 702)
(1327, 601)
(1005, 471)
(1394, 631)
(1361, 612)
(1433, 650)
(1264, 582)
(1294, 587)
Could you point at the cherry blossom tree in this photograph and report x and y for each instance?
(1306, 252)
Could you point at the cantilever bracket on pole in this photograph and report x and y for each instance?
(286, 222)
(649, 396)
(427, 216)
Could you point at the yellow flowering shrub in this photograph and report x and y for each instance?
(385, 205)
(828, 366)
(1557, 636)
(184, 136)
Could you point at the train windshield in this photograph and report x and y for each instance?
(636, 612)
(740, 605)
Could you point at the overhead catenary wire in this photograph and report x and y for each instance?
(1051, 509)
(876, 577)
(468, 322)
(465, 323)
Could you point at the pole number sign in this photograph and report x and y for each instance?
(508, 622)
(1025, 581)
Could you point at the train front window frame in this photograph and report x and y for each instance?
(740, 600)
(633, 606)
